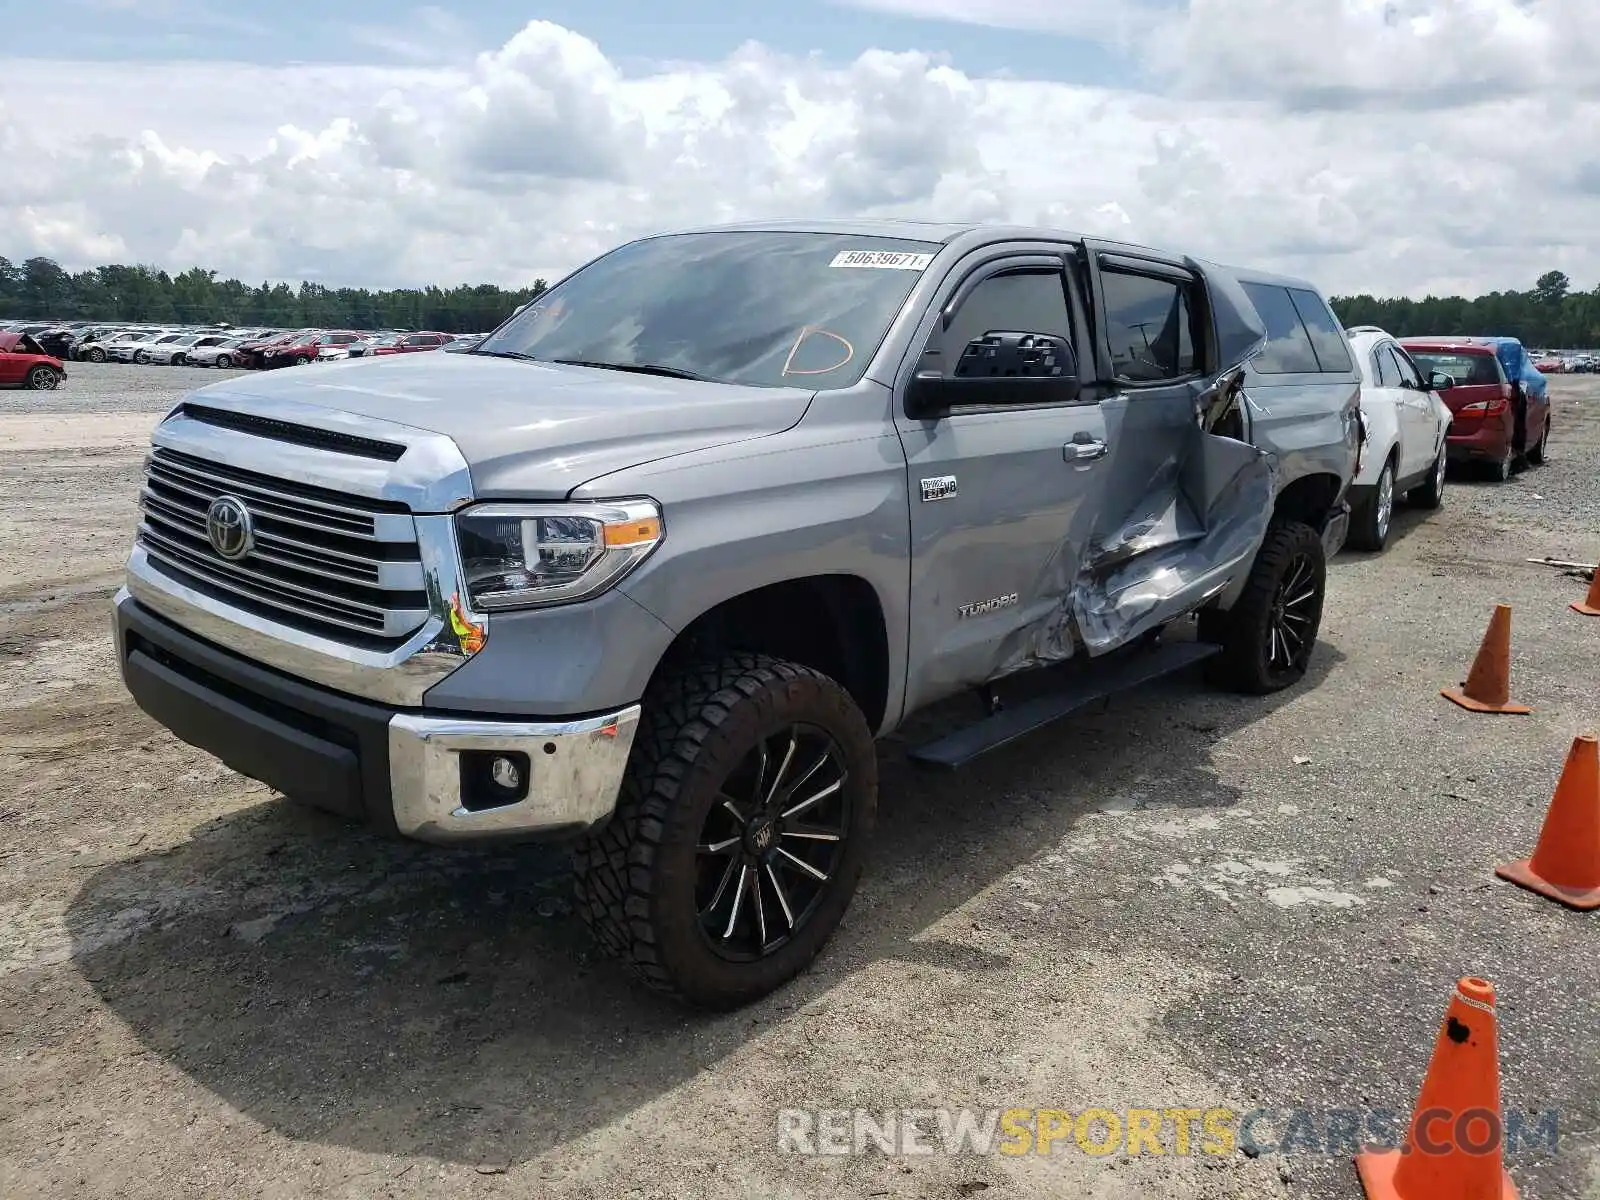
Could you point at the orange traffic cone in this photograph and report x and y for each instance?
(1488, 685)
(1565, 866)
(1590, 607)
(1453, 1150)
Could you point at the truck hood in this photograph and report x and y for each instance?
(531, 430)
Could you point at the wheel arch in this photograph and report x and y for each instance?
(832, 623)
(1309, 499)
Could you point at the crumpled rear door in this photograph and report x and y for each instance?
(1184, 510)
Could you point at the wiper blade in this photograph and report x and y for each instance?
(638, 369)
(516, 354)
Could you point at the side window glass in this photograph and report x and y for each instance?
(1385, 367)
(1409, 375)
(1327, 339)
(1149, 323)
(1018, 302)
(1288, 350)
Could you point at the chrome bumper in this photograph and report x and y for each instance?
(574, 774)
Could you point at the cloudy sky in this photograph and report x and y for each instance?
(1372, 145)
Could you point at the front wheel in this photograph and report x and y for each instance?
(42, 379)
(96, 355)
(740, 832)
(1268, 635)
(141, 357)
(1369, 523)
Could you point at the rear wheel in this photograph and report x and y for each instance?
(141, 357)
(178, 360)
(1268, 636)
(301, 360)
(43, 379)
(96, 355)
(740, 832)
(1431, 494)
(224, 361)
(1540, 452)
(1500, 470)
(1369, 523)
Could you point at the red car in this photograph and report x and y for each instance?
(1490, 416)
(23, 363)
(412, 343)
(297, 351)
(253, 353)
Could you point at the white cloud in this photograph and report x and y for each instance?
(1409, 145)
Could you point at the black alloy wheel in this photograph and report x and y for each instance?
(771, 846)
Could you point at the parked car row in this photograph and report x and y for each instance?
(213, 346)
(1568, 364)
(1428, 403)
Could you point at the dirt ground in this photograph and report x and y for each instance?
(1185, 900)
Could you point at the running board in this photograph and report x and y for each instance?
(961, 747)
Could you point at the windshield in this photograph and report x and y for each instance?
(759, 308)
(1463, 368)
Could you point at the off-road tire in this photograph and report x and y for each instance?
(635, 877)
(42, 379)
(1368, 529)
(1245, 665)
(1431, 493)
(1540, 455)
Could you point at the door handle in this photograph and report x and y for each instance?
(1086, 450)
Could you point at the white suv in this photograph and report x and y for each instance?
(1403, 453)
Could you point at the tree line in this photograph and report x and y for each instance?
(1550, 315)
(41, 289)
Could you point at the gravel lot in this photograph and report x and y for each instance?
(1185, 900)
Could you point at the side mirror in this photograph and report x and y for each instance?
(998, 368)
(1440, 382)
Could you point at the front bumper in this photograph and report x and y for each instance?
(408, 772)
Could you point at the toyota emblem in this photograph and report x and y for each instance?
(228, 528)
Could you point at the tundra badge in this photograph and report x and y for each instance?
(940, 487)
(984, 607)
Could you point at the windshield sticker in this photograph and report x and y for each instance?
(883, 260)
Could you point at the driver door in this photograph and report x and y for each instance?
(1002, 497)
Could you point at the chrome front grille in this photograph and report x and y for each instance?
(325, 561)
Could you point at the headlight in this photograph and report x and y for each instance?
(528, 555)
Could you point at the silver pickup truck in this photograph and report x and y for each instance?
(651, 567)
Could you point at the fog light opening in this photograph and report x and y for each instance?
(493, 778)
